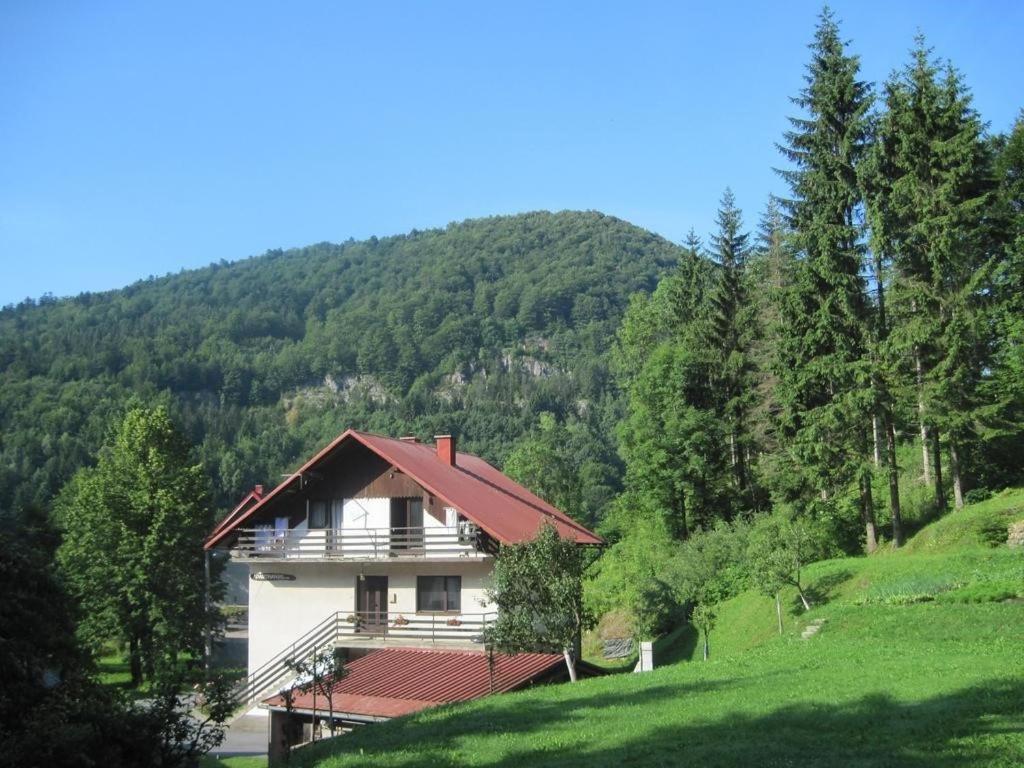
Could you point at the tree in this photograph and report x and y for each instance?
(778, 548)
(704, 617)
(537, 589)
(319, 675)
(709, 568)
(824, 373)
(929, 202)
(132, 552)
(541, 461)
(729, 333)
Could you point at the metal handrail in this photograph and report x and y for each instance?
(435, 627)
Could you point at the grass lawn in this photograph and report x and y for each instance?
(233, 762)
(920, 663)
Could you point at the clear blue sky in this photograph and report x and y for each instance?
(141, 138)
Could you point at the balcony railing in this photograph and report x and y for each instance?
(357, 544)
(419, 627)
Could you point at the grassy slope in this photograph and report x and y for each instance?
(900, 675)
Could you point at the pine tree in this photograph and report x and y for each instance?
(825, 371)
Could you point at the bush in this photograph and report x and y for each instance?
(976, 495)
(992, 529)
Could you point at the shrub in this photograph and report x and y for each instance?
(992, 529)
(975, 495)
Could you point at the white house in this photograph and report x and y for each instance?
(383, 548)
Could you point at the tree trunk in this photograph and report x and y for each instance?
(706, 654)
(867, 511)
(876, 433)
(925, 458)
(954, 470)
(803, 598)
(778, 610)
(940, 495)
(894, 484)
(135, 661)
(570, 663)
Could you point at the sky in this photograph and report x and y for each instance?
(138, 139)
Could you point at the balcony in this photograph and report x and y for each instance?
(426, 543)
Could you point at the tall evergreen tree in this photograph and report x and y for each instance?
(825, 373)
(729, 332)
(929, 200)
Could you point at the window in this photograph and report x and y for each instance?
(439, 593)
(317, 514)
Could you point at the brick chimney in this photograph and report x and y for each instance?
(258, 490)
(445, 448)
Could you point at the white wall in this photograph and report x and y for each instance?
(282, 611)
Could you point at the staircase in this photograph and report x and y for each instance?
(268, 679)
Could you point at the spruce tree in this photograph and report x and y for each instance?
(825, 374)
(929, 200)
(729, 332)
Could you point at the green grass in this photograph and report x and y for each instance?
(233, 762)
(918, 664)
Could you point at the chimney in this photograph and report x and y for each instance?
(258, 490)
(445, 448)
(409, 439)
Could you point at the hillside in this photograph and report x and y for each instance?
(474, 328)
(916, 663)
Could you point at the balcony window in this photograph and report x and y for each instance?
(317, 517)
(439, 594)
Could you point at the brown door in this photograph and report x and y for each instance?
(372, 595)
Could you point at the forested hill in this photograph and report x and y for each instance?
(476, 328)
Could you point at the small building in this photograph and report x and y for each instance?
(383, 548)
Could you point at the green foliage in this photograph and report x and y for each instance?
(132, 555)
(473, 329)
(711, 565)
(537, 590)
(779, 547)
(631, 574)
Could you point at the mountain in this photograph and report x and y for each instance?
(473, 329)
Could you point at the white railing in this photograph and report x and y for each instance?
(358, 543)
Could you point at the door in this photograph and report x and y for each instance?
(406, 524)
(372, 596)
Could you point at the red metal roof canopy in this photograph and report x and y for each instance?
(398, 681)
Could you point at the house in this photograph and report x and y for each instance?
(383, 548)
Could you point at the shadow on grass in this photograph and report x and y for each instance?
(823, 589)
(680, 645)
(976, 726)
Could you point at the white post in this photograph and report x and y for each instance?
(646, 663)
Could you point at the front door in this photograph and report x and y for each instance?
(372, 596)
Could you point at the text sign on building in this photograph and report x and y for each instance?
(265, 576)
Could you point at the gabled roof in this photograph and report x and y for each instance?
(398, 681)
(500, 506)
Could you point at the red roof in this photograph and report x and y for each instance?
(397, 681)
(500, 506)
